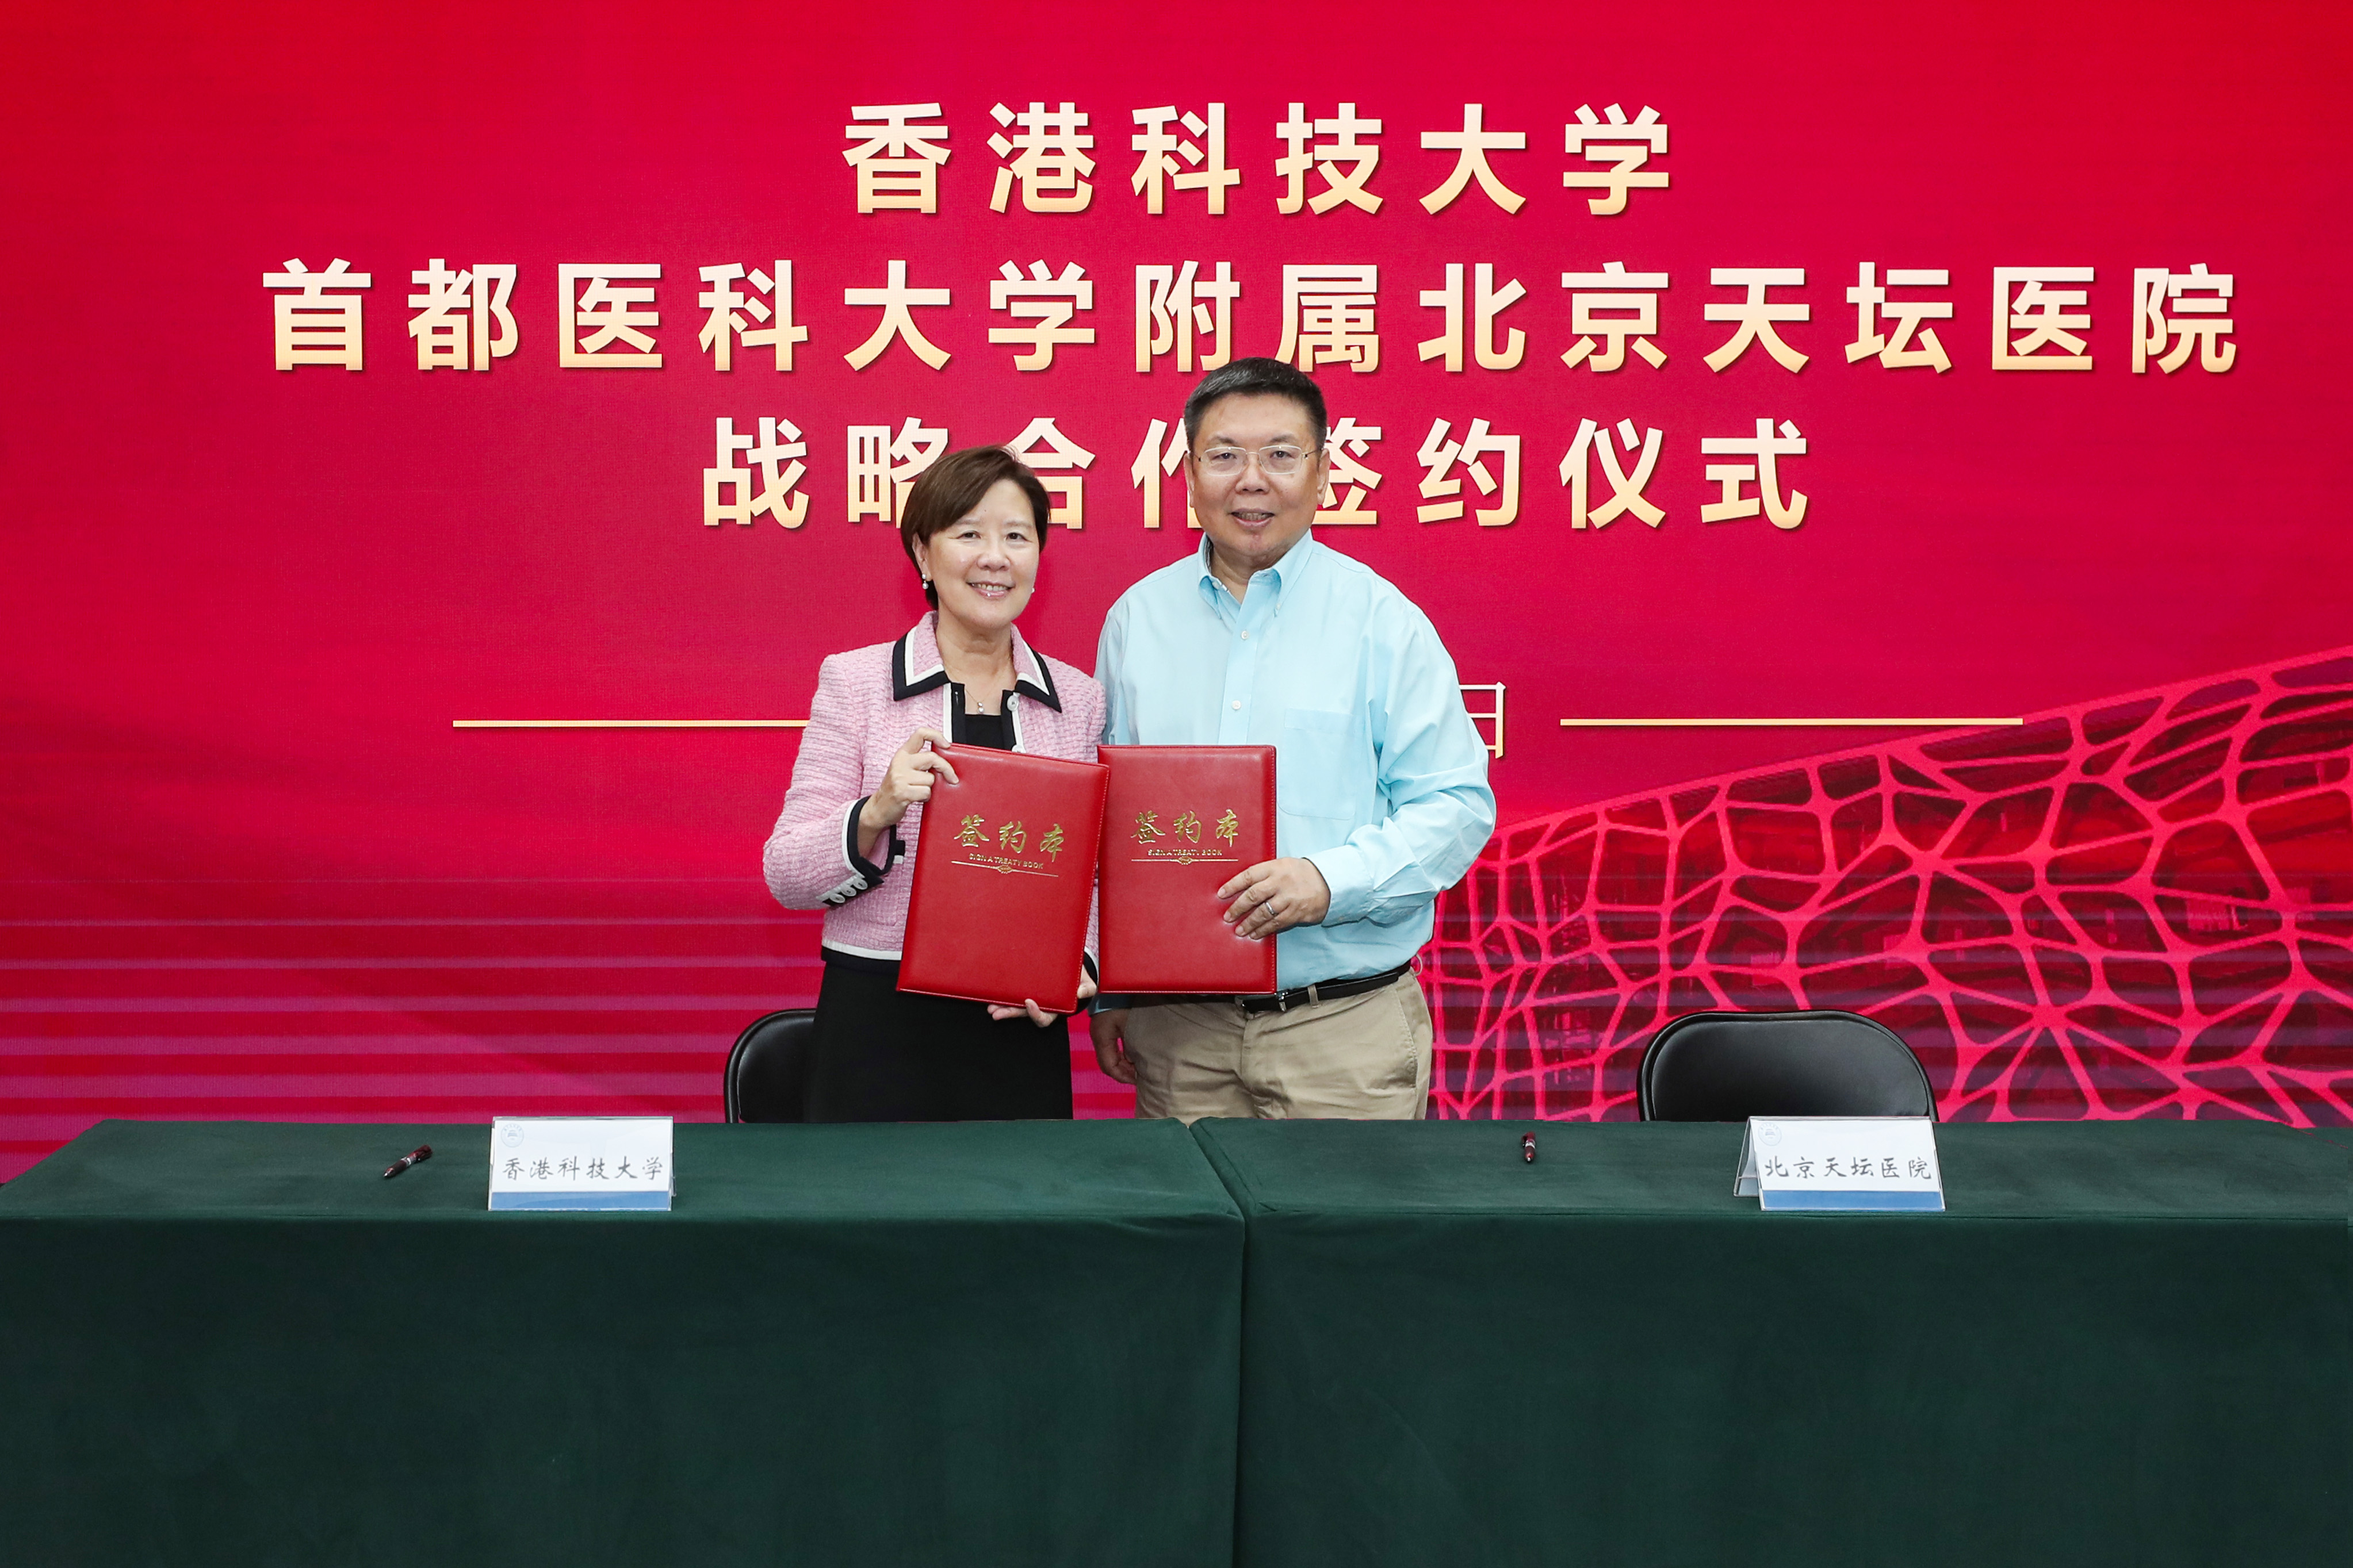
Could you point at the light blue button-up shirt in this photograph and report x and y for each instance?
(1381, 778)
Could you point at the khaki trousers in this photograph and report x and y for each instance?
(1366, 1056)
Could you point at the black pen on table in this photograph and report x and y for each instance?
(422, 1151)
(1528, 1147)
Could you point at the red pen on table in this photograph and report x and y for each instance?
(1528, 1147)
(422, 1151)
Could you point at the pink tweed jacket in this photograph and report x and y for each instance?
(868, 700)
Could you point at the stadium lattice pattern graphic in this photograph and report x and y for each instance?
(2137, 906)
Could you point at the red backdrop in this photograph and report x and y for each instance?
(250, 869)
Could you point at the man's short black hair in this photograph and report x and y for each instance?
(1255, 378)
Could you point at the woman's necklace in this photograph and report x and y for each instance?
(982, 695)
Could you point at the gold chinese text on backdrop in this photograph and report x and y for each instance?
(1328, 312)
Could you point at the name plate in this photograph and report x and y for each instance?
(1857, 1164)
(581, 1162)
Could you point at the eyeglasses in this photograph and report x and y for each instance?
(1228, 462)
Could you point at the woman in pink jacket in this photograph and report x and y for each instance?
(974, 526)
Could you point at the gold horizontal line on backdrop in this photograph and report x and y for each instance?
(1788, 724)
(628, 723)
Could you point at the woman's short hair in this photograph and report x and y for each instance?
(954, 486)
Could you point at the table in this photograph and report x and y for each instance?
(237, 1344)
(2126, 1343)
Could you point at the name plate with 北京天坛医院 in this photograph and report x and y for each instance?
(1852, 1164)
(1005, 873)
(1180, 822)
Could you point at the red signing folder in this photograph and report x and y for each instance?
(1180, 822)
(1005, 872)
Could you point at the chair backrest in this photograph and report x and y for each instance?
(768, 1071)
(1729, 1067)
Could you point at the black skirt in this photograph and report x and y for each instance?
(886, 1054)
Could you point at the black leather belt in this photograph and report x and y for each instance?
(1326, 990)
(1284, 1000)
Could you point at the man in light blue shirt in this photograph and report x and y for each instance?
(1265, 636)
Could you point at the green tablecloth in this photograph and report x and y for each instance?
(2125, 1344)
(237, 1344)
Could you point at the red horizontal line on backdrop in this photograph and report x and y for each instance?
(1790, 723)
(28, 986)
(273, 989)
(422, 920)
(666, 1003)
(341, 1107)
(170, 1047)
(741, 948)
(443, 1026)
(330, 965)
(463, 1111)
(225, 1060)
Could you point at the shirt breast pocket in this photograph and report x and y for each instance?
(1316, 764)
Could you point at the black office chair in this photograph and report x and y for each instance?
(768, 1071)
(1729, 1067)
